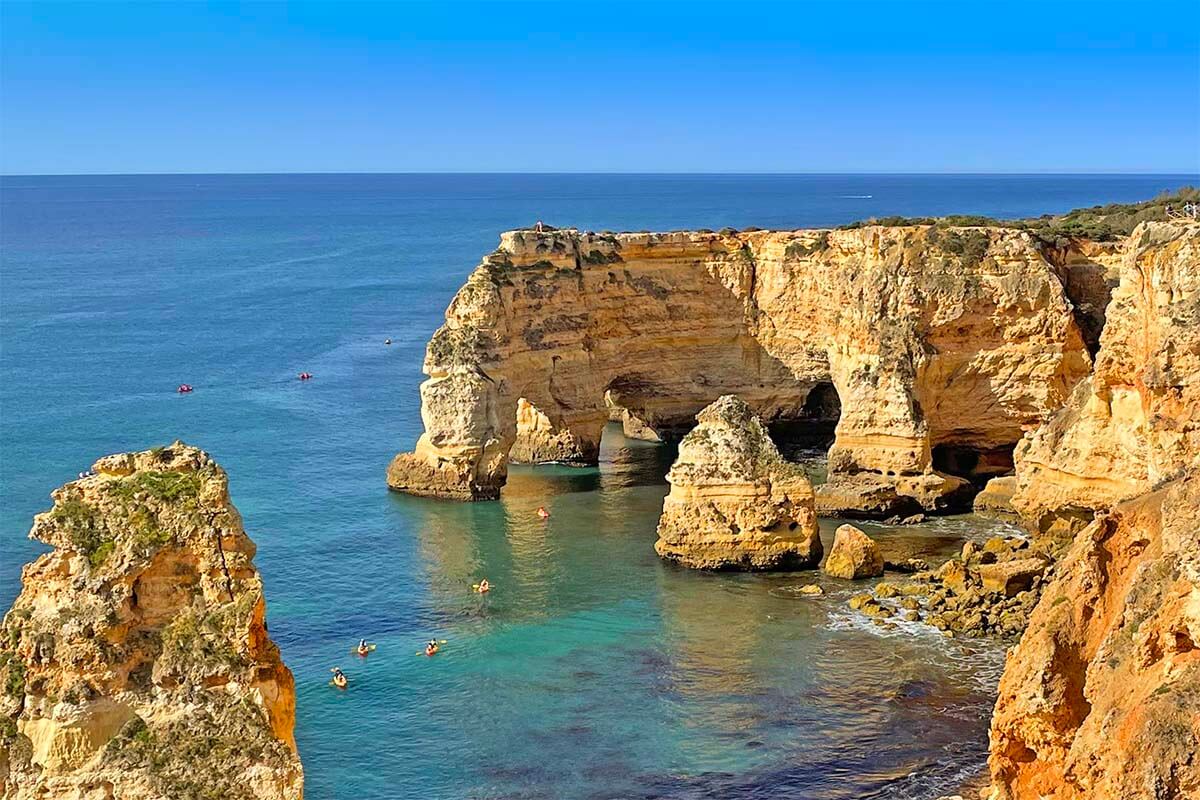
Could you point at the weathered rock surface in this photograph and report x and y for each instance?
(853, 555)
(996, 498)
(989, 591)
(734, 502)
(1136, 421)
(1101, 698)
(539, 442)
(136, 662)
(941, 344)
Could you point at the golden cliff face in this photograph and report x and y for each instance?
(1101, 698)
(136, 659)
(936, 340)
(1136, 421)
(734, 502)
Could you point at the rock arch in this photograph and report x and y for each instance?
(654, 327)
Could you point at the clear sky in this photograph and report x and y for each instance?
(644, 86)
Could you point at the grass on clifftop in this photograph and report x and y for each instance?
(1098, 223)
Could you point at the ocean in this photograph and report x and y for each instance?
(592, 670)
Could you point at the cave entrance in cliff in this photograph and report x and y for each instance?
(809, 435)
(975, 463)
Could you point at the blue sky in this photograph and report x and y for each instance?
(662, 87)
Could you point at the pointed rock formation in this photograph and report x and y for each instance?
(136, 662)
(734, 502)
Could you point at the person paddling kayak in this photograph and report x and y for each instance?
(339, 678)
(431, 647)
(543, 513)
(363, 648)
(483, 587)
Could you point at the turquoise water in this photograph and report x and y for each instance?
(592, 670)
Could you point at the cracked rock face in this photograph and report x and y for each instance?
(1101, 698)
(1135, 422)
(136, 660)
(930, 337)
(734, 502)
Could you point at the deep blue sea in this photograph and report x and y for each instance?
(592, 670)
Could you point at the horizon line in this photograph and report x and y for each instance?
(732, 173)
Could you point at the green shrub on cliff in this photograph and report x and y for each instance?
(166, 486)
(1098, 223)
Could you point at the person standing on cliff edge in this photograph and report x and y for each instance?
(539, 226)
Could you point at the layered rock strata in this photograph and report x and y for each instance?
(734, 502)
(1101, 698)
(1135, 422)
(136, 661)
(935, 342)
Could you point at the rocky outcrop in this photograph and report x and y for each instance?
(734, 502)
(988, 591)
(1135, 421)
(937, 343)
(539, 442)
(996, 498)
(1101, 698)
(136, 662)
(853, 555)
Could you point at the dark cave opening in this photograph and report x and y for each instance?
(976, 464)
(810, 434)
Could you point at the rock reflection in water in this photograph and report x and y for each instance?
(594, 670)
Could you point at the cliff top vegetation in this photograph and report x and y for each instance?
(1098, 223)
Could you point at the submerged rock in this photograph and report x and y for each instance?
(734, 502)
(853, 555)
(136, 662)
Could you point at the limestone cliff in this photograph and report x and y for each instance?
(1136, 421)
(1101, 698)
(944, 345)
(136, 659)
(734, 502)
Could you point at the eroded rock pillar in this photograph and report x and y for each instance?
(463, 453)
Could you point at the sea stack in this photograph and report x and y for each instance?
(734, 502)
(136, 662)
